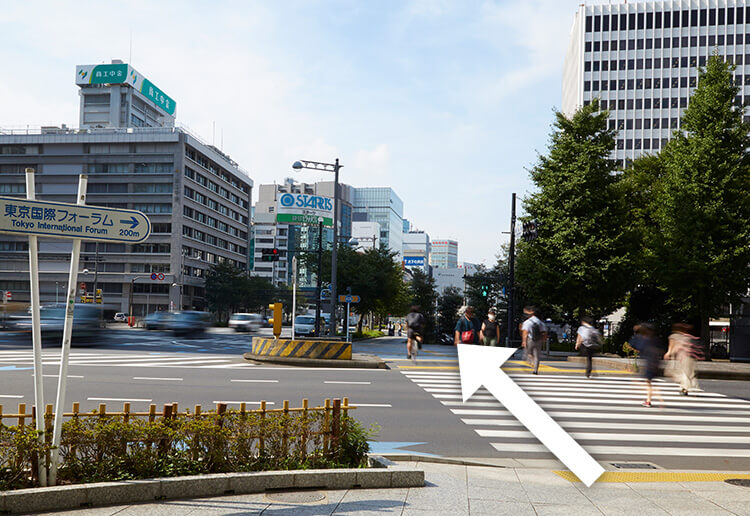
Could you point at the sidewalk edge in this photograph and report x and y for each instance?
(358, 361)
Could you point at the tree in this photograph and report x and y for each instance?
(224, 289)
(701, 208)
(423, 295)
(448, 304)
(257, 293)
(580, 262)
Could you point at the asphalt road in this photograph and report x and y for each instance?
(417, 406)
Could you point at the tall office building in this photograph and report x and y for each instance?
(642, 58)
(384, 206)
(197, 197)
(417, 250)
(444, 254)
(291, 239)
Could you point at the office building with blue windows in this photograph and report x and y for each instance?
(384, 206)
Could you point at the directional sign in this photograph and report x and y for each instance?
(348, 299)
(64, 220)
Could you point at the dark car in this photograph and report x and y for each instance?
(189, 323)
(52, 317)
(157, 321)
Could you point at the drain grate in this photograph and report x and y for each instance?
(633, 465)
(742, 482)
(296, 497)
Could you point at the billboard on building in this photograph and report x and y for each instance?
(296, 208)
(414, 261)
(122, 73)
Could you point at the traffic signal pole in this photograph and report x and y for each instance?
(320, 277)
(512, 264)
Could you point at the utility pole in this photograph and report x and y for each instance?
(320, 276)
(512, 279)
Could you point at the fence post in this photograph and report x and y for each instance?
(1, 414)
(34, 456)
(175, 410)
(336, 429)
(326, 425)
(285, 425)
(126, 412)
(306, 428)
(197, 410)
(261, 441)
(76, 410)
(151, 413)
(166, 415)
(49, 418)
(102, 409)
(345, 412)
(221, 409)
(21, 414)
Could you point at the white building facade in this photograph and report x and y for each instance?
(641, 60)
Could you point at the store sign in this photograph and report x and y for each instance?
(414, 261)
(304, 209)
(121, 73)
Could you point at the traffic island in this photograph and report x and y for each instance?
(311, 353)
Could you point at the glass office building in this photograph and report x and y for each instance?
(642, 59)
(381, 205)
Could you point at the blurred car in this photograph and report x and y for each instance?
(52, 322)
(189, 323)
(157, 321)
(305, 325)
(245, 322)
(121, 317)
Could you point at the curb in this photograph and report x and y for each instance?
(357, 361)
(405, 457)
(382, 474)
(704, 373)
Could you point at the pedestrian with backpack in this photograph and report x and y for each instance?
(533, 336)
(589, 341)
(414, 332)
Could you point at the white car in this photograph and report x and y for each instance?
(245, 322)
(305, 325)
(121, 317)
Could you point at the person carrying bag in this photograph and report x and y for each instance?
(466, 328)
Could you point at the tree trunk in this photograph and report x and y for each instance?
(705, 334)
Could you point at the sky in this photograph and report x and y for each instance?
(447, 102)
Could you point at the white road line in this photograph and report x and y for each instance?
(630, 450)
(610, 402)
(659, 415)
(591, 436)
(14, 396)
(594, 397)
(381, 405)
(120, 399)
(255, 381)
(348, 383)
(608, 425)
(634, 410)
(161, 364)
(164, 379)
(57, 376)
(245, 402)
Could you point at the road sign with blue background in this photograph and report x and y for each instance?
(348, 299)
(64, 220)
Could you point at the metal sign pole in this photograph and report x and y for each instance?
(36, 328)
(348, 305)
(67, 332)
(294, 291)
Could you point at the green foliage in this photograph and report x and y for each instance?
(96, 449)
(448, 305)
(229, 289)
(581, 261)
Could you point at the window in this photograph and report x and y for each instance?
(711, 17)
(587, 46)
(161, 227)
(96, 100)
(597, 24)
(153, 207)
(150, 267)
(647, 101)
(152, 188)
(108, 168)
(589, 22)
(153, 168)
(657, 21)
(649, 20)
(18, 188)
(150, 248)
(605, 23)
(587, 66)
(107, 188)
(14, 246)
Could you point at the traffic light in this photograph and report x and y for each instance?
(269, 255)
(275, 318)
(530, 230)
(485, 290)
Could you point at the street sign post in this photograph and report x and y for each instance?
(348, 299)
(71, 221)
(63, 220)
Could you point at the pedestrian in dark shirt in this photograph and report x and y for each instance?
(467, 327)
(414, 332)
(489, 335)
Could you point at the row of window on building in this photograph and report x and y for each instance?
(207, 183)
(214, 205)
(202, 236)
(651, 63)
(658, 20)
(708, 42)
(208, 257)
(196, 157)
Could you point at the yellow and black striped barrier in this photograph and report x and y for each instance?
(327, 349)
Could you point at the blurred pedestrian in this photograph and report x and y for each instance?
(414, 330)
(533, 337)
(467, 328)
(684, 348)
(489, 335)
(589, 340)
(645, 342)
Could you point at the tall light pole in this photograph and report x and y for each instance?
(329, 167)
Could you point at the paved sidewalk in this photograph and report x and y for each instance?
(464, 490)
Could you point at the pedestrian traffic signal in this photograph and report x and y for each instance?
(270, 255)
(530, 230)
(275, 318)
(485, 290)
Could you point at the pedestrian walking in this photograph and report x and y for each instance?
(683, 350)
(533, 337)
(589, 341)
(645, 342)
(489, 335)
(415, 322)
(467, 327)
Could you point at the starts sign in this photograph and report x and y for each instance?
(61, 220)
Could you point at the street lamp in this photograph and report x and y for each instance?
(131, 317)
(329, 167)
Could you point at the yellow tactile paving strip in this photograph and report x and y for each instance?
(542, 369)
(656, 476)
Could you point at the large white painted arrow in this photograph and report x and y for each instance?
(480, 365)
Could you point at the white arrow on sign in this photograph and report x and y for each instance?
(64, 220)
(480, 365)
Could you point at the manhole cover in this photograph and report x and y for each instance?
(297, 497)
(742, 482)
(632, 465)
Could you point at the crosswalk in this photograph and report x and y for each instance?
(25, 358)
(604, 414)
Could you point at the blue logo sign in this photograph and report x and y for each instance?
(414, 261)
(287, 200)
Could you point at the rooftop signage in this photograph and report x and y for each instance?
(304, 209)
(123, 73)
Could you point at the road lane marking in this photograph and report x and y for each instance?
(608, 425)
(374, 405)
(661, 437)
(57, 376)
(165, 379)
(603, 450)
(120, 399)
(245, 402)
(255, 381)
(16, 396)
(656, 476)
(348, 383)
